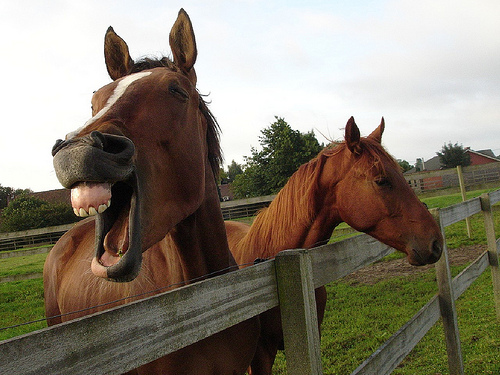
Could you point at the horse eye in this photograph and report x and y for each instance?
(383, 182)
(178, 92)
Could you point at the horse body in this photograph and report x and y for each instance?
(144, 166)
(356, 182)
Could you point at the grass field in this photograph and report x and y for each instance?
(359, 317)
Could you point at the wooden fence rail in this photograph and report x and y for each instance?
(161, 324)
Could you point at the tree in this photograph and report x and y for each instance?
(453, 155)
(8, 194)
(405, 166)
(233, 170)
(28, 212)
(283, 151)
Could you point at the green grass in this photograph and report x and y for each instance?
(359, 317)
(22, 265)
(20, 302)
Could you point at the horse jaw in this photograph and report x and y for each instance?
(118, 250)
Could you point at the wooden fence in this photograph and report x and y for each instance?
(475, 175)
(32, 237)
(164, 323)
(244, 207)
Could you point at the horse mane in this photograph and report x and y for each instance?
(298, 201)
(213, 129)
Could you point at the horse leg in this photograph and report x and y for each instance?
(321, 296)
(263, 360)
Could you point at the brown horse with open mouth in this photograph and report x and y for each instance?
(356, 182)
(144, 167)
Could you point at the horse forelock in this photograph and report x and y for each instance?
(372, 161)
(213, 129)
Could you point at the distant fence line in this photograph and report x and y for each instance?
(36, 237)
(447, 178)
(241, 208)
(166, 322)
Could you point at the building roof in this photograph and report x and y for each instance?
(434, 163)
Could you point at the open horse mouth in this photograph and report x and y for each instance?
(98, 169)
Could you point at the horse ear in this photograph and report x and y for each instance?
(377, 133)
(352, 137)
(118, 60)
(183, 44)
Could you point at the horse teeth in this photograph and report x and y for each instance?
(102, 208)
(92, 211)
(75, 210)
(109, 203)
(83, 213)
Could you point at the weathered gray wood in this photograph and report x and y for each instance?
(448, 311)
(333, 261)
(493, 252)
(464, 279)
(298, 312)
(494, 196)
(457, 212)
(388, 356)
(131, 335)
(36, 232)
(461, 182)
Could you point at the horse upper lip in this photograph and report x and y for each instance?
(94, 157)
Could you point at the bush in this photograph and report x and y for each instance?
(27, 212)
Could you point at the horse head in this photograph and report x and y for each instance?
(372, 196)
(141, 163)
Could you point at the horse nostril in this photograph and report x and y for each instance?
(437, 249)
(58, 145)
(98, 139)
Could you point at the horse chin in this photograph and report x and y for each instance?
(416, 259)
(118, 252)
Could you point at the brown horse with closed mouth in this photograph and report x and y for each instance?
(144, 166)
(356, 182)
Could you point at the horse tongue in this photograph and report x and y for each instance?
(116, 242)
(90, 197)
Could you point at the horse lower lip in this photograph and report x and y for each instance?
(118, 254)
(417, 259)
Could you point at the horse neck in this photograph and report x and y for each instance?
(200, 240)
(301, 215)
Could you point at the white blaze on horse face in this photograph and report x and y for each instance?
(117, 94)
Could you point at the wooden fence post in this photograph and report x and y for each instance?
(448, 310)
(461, 181)
(298, 312)
(493, 252)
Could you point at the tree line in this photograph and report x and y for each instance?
(282, 151)
(22, 211)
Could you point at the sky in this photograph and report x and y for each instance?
(430, 68)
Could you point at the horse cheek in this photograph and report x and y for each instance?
(359, 207)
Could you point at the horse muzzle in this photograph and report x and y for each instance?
(99, 168)
(419, 256)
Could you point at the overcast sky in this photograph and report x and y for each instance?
(431, 68)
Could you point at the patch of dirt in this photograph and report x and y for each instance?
(400, 267)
